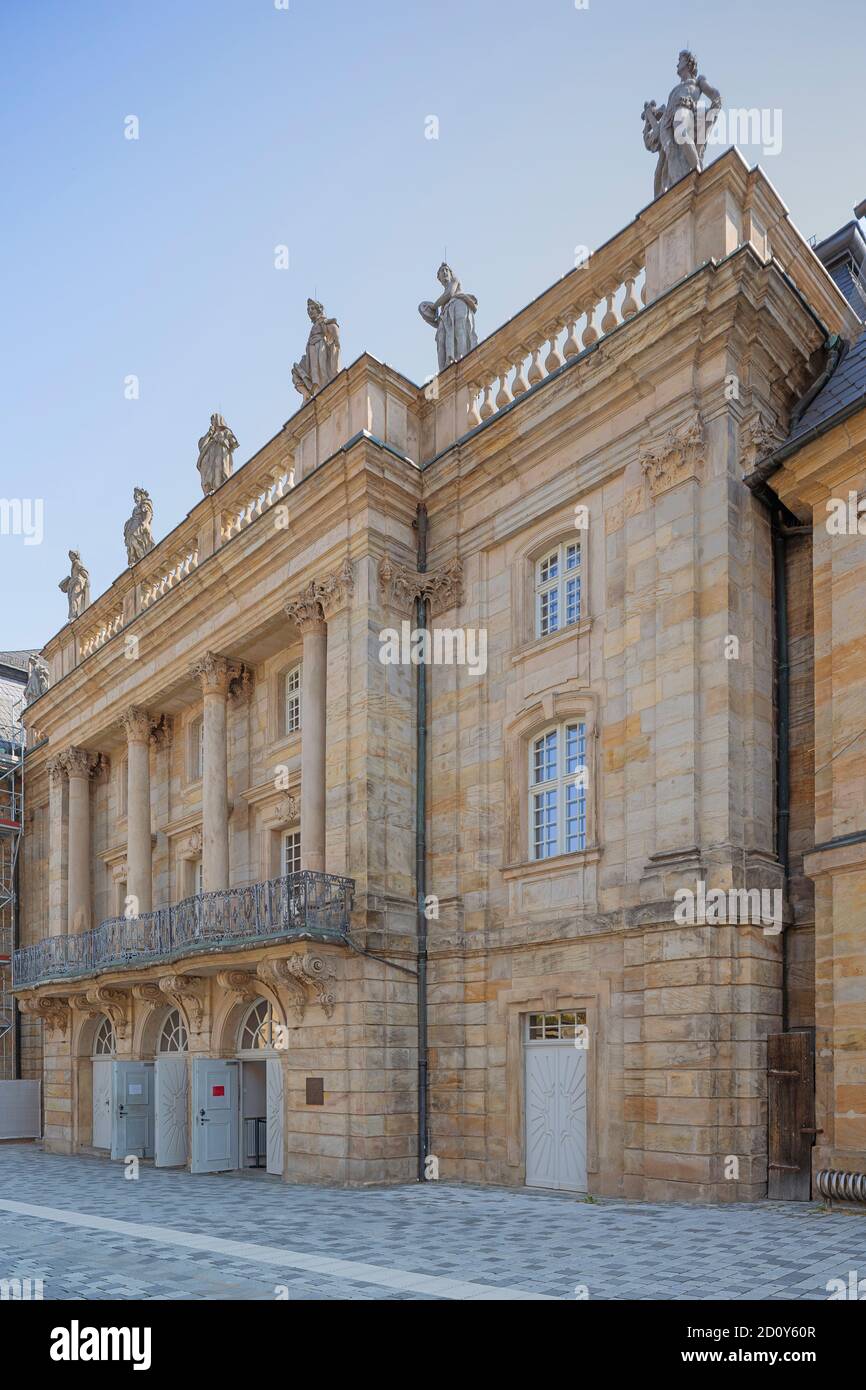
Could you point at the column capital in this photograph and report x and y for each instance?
(56, 769)
(322, 598)
(214, 673)
(81, 762)
(137, 724)
(401, 586)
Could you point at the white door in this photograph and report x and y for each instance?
(101, 1102)
(171, 1111)
(275, 1115)
(556, 1111)
(132, 1109)
(214, 1115)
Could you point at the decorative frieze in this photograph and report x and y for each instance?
(401, 586)
(677, 456)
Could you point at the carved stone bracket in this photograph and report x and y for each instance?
(241, 685)
(401, 586)
(53, 1012)
(102, 999)
(278, 974)
(187, 993)
(148, 994)
(239, 982)
(313, 972)
(322, 598)
(677, 456)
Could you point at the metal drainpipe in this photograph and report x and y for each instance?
(421, 849)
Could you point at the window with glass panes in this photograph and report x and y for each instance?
(292, 701)
(555, 1027)
(557, 589)
(291, 856)
(557, 791)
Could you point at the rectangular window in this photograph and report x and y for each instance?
(556, 1027)
(557, 803)
(292, 701)
(291, 853)
(544, 758)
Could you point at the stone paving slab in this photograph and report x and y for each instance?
(439, 1241)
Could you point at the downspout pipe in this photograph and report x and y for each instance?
(421, 527)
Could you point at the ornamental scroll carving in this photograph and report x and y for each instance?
(761, 436)
(674, 458)
(401, 586)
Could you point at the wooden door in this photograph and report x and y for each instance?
(791, 1116)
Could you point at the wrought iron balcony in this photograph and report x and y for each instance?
(297, 905)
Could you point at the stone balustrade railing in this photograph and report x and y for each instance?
(97, 635)
(293, 905)
(586, 305)
(170, 573)
(258, 499)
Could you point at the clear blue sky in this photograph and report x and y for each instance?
(261, 126)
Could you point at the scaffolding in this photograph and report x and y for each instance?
(12, 744)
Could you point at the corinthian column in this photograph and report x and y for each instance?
(79, 764)
(137, 726)
(308, 611)
(56, 902)
(214, 674)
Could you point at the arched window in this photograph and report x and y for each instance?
(173, 1037)
(104, 1044)
(557, 791)
(558, 588)
(259, 1030)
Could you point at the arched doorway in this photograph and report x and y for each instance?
(172, 1093)
(101, 1059)
(261, 1042)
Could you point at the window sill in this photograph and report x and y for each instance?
(551, 640)
(537, 868)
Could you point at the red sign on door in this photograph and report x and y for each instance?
(218, 1090)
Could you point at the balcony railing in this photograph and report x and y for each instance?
(300, 904)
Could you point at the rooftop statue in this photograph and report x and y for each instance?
(76, 587)
(453, 317)
(215, 451)
(678, 131)
(137, 535)
(321, 361)
(38, 679)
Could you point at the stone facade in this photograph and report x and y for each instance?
(620, 449)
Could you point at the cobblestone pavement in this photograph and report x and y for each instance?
(90, 1233)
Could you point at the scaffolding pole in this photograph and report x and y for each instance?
(12, 745)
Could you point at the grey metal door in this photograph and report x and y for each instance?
(214, 1115)
(556, 1116)
(132, 1109)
